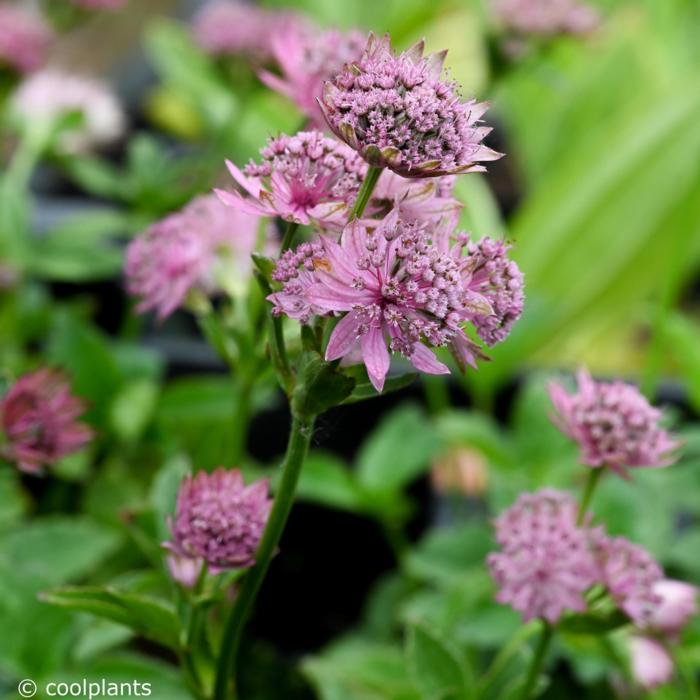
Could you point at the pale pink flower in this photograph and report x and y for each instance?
(184, 570)
(613, 424)
(651, 664)
(397, 112)
(678, 602)
(219, 519)
(307, 58)
(204, 247)
(546, 562)
(24, 38)
(305, 178)
(39, 419)
(545, 18)
(397, 291)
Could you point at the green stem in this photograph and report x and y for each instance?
(289, 236)
(241, 414)
(437, 394)
(592, 481)
(537, 661)
(363, 196)
(297, 449)
(686, 674)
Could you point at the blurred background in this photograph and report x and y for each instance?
(599, 194)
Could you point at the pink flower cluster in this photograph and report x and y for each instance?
(613, 424)
(401, 285)
(307, 58)
(24, 38)
(545, 18)
(305, 178)
(397, 112)
(218, 520)
(39, 420)
(204, 247)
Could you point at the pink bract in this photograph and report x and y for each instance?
(651, 663)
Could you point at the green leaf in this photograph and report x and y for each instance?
(164, 490)
(319, 386)
(398, 451)
(593, 624)
(327, 480)
(133, 408)
(148, 617)
(366, 390)
(436, 669)
(95, 175)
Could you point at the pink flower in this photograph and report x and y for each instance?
(395, 286)
(545, 18)
(306, 178)
(397, 112)
(650, 661)
(678, 602)
(233, 28)
(39, 418)
(307, 58)
(205, 247)
(613, 424)
(219, 519)
(546, 562)
(24, 38)
(184, 570)
(630, 575)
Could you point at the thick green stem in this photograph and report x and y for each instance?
(289, 236)
(363, 196)
(297, 449)
(592, 481)
(537, 661)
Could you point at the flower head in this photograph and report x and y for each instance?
(677, 603)
(546, 562)
(397, 112)
(630, 575)
(50, 95)
(24, 38)
(545, 18)
(219, 519)
(399, 289)
(39, 419)
(613, 424)
(307, 58)
(651, 664)
(205, 246)
(303, 178)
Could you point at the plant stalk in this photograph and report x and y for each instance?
(537, 661)
(591, 483)
(363, 196)
(289, 234)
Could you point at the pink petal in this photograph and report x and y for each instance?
(376, 356)
(343, 338)
(250, 185)
(424, 360)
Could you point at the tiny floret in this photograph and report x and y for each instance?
(398, 112)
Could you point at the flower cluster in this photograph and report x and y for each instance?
(39, 419)
(307, 58)
(50, 95)
(305, 178)
(545, 18)
(218, 520)
(613, 424)
(24, 38)
(204, 247)
(397, 112)
(396, 283)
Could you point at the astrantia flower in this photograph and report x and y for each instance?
(630, 575)
(307, 58)
(613, 424)
(397, 112)
(303, 178)
(219, 519)
(205, 246)
(39, 420)
(546, 562)
(24, 38)
(677, 603)
(233, 28)
(398, 290)
(545, 18)
(50, 95)
(651, 664)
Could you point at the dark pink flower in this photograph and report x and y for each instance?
(39, 419)
(219, 519)
(305, 178)
(397, 112)
(398, 289)
(651, 663)
(613, 424)
(546, 562)
(545, 18)
(24, 38)
(204, 247)
(307, 58)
